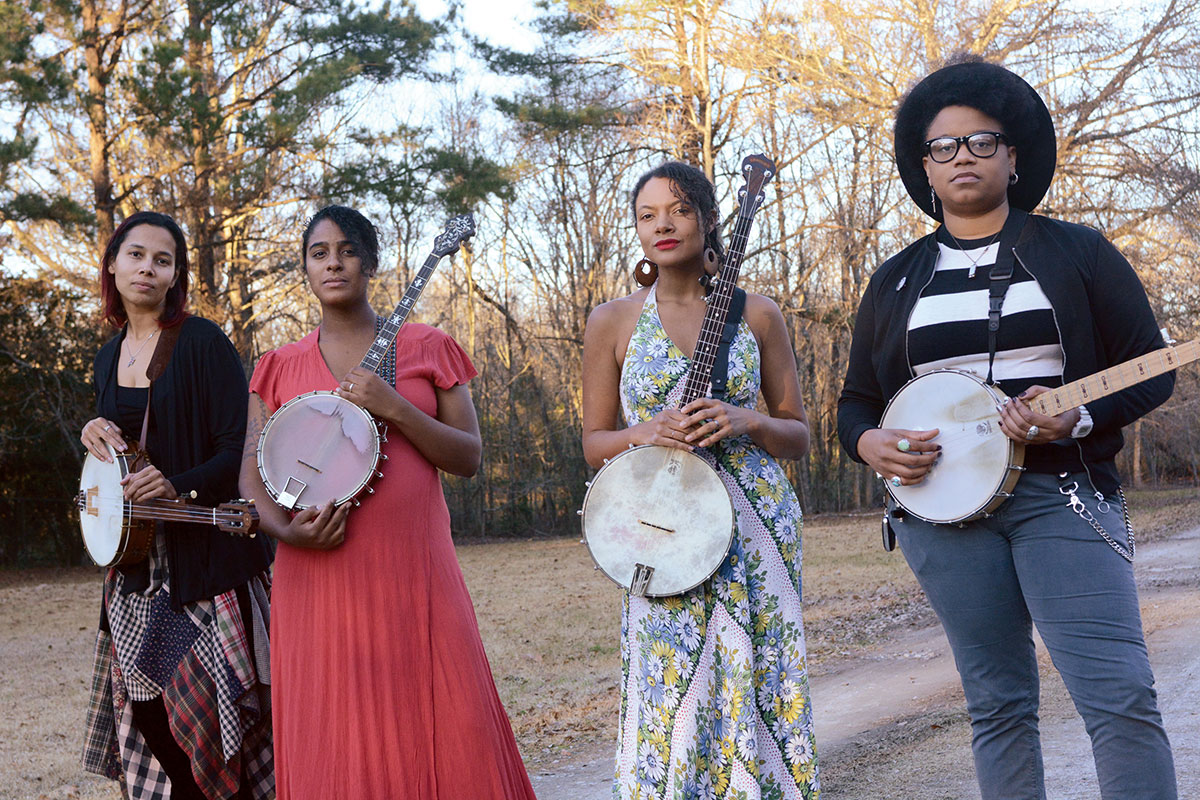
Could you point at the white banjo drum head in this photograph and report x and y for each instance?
(317, 447)
(975, 452)
(661, 507)
(102, 509)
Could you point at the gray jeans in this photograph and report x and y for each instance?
(1035, 560)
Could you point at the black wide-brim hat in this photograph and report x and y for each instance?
(1000, 94)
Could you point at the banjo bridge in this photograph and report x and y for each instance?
(655, 527)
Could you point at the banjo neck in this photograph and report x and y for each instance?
(457, 230)
(1115, 378)
(758, 170)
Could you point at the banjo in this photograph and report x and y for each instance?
(117, 531)
(658, 520)
(319, 446)
(980, 465)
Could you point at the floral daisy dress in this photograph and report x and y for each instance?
(714, 694)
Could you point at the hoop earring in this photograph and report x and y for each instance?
(711, 264)
(1012, 179)
(645, 272)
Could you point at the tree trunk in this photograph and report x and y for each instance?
(96, 104)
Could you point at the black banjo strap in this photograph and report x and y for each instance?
(999, 279)
(720, 370)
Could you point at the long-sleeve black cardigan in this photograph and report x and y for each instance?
(1100, 308)
(198, 426)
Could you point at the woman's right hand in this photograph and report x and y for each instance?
(317, 527)
(878, 447)
(669, 427)
(98, 432)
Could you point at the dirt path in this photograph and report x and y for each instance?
(891, 725)
(890, 722)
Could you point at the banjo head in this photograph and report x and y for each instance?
(974, 469)
(661, 507)
(111, 535)
(317, 447)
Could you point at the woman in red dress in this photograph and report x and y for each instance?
(381, 687)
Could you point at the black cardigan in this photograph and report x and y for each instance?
(1100, 308)
(198, 426)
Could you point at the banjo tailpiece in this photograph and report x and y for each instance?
(641, 579)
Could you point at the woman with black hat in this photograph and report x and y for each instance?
(975, 148)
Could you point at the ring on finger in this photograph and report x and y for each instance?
(897, 481)
(350, 388)
(903, 445)
(108, 426)
(1033, 431)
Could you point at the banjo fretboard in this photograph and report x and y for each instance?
(758, 170)
(458, 230)
(1115, 378)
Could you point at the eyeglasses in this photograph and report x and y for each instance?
(981, 145)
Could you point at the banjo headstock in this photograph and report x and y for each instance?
(457, 231)
(759, 170)
(238, 517)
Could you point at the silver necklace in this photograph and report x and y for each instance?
(974, 261)
(133, 357)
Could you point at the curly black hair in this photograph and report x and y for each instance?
(968, 80)
(693, 187)
(357, 229)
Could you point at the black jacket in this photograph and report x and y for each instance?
(1100, 308)
(198, 413)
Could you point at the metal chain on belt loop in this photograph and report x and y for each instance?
(1126, 552)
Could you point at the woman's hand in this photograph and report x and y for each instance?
(147, 483)
(98, 432)
(712, 420)
(669, 428)
(1017, 420)
(317, 527)
(881, 448)
(366, 389)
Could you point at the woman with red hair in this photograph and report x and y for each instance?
(179, 705)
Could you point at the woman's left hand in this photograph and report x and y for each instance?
(1017, 420)
(366, 389)
(147, 483)
(713, 420)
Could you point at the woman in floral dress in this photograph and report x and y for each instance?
(714, 696)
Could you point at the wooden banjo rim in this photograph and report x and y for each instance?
(587, 541)
(137, 535)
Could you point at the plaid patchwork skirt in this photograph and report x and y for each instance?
(214, 684)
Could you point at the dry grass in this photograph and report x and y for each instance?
(550, 623)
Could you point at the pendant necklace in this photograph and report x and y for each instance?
(133, 357)
(974, 261)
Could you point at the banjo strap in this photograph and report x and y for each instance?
(1000, 277)
(154, 371)
(720, 370)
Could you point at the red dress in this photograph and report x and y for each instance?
(381, 688)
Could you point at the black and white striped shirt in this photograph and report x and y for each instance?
(948, 330)
(948, 325)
